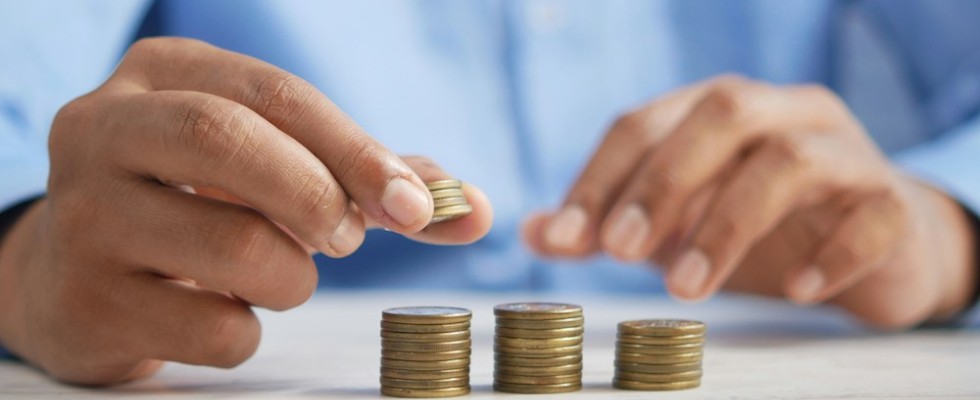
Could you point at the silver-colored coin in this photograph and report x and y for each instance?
(426, 315)
(537, 310)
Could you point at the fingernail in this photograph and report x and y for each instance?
(566, 227)
(689, 273)
(627, 233)
(807, 285)
(345, 239)
(405, 202)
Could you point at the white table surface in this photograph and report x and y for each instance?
(756, 349)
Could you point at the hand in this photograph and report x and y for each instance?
(769, 190)
(182, 192)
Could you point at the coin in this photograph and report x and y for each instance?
(449, 192)
(424, 356)
(658, 378)
(660, 340)
(451, 212)
(426, 337)
(506, 359)
(657, 350)
(388, 344)
(563, 369)
(661, 327)
(537, 310)
(409, 374)
(538, 380)
(539, 333)
(657, 368)
(419, 328)
(573, 322)
(426, 315)
(545, 352)
(426, 383)
(659, 359)
(444, 184)
(536, 389)
(448, 201)
(634, 385)
(424, 393)
(444, 365)
(538, 343)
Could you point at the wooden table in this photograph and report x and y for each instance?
(756, 349)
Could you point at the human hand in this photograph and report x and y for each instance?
(186, 189)
(774, 190)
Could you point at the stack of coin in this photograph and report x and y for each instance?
(538, 348)
(449, 202)
(425, 351)
(659, 354)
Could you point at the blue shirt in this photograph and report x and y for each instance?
(513, 96)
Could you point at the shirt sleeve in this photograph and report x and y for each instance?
(52, 51)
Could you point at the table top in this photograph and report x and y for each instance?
(756, 349)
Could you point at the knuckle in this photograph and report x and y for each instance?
(852, 253)
(215, 131)
(321, 202)
(722, 228)
(630, 127)
(729, 80)
(725, 104)
(252, 240)
(281, 94)
(362, 156)
(232, 338)
(665, 181)
(784, 153)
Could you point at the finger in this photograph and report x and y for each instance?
(570, 232)
(221, 246)
(203, 140)
(464, 230)
(859, 244)
(376, 179)
(172, 320)
(730, 118)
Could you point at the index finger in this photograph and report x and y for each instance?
(383, 186)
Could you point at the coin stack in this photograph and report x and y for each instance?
(425, 352)
(659, 354)
(538, 348)
(449, 202)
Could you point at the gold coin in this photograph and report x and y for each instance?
(661, 327)
(538, 371)
(425, 356)
(573, 322)
(444, 184)
(661, 340)
(451, 212)
(659, 359)
(426, 337)
(425, 393)
(538, 380)
(539, 333)
(657, 350)
(444, 193)
(634, 385)
(426, 315)
(506, 359)
(657, 368)
(426, 383)
(536, 389)
(449, 201)
(545, 352)
(388, 344)
(409, 374)
(418, 328)
(537, 343)
(444, 365)
(658, 378)
(536, 310)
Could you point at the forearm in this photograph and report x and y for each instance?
(956, 255)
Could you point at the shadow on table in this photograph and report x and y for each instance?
(372, 392)
(788, 334)
(156, 388)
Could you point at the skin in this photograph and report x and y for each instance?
(193, 185)
(774, 190)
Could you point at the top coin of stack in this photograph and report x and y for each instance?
(538, 348)
(659, 354)
(425, 352)
(449, 201)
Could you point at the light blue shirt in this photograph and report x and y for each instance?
(513, 96)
